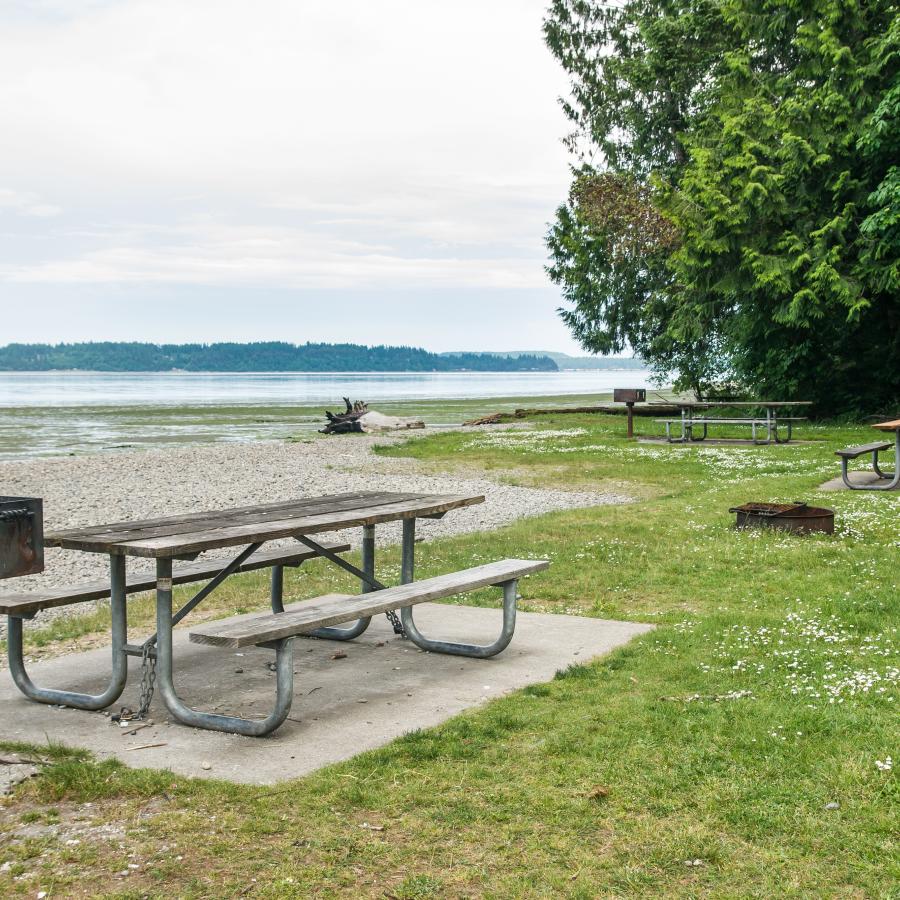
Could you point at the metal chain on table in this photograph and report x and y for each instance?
(148, 679)
(395, 621)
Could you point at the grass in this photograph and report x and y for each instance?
(739, 750)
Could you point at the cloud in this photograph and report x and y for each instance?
(397, 145)
(27, 204)
(210, 254)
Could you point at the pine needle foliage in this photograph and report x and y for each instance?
(750, 150)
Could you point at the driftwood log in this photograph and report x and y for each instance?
(654, 409)
(360, 419)
(347, 421)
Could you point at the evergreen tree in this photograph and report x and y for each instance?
(735, 210)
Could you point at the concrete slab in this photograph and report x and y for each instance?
(384, 688)
(857, 477)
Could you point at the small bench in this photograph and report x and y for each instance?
(25, 605)
(874, 448)
(278, 630)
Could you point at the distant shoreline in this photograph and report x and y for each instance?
(366, 372)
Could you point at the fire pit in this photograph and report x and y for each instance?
(786, 516)
(21, 536)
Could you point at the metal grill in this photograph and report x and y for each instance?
(21, 536)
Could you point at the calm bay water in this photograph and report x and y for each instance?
(48, 413)
(177, 388)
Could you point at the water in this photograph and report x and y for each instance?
(32, 389)
(52, 413)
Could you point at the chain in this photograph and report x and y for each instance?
(398, 625)
(148, 679)
(8, 515)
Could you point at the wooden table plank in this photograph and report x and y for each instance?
(707, 404)
(230, 535)
(123, 530)
(888, 426)
(224, 518)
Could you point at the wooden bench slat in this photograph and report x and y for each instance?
(334, 609)
(23, 603)
(742, 421)
(719, 421)
(853, 452)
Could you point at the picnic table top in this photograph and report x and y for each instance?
(893, 425)
(704, 404)
(193, 533)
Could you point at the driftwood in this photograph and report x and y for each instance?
(347, 421)
(656, 409)
(358, 418)
(493, 419)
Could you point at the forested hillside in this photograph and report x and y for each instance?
(270, 356)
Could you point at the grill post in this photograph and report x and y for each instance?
(629, 396)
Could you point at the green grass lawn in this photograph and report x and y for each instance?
(739, 750)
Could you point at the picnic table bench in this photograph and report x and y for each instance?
(770, 421)
(186, 537)
(25, 605)
(874, 448)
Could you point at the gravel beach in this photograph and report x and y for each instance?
(117, 486)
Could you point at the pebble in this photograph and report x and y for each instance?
(205, 765)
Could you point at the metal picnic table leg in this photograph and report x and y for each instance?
(881, 473)
(786, 440)
(478, 651)
(277, 590)
(407, 573)
(284, 673)
(119, 631)
(368, 566)
(408, 552)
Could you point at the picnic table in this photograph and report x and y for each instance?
(891, 476)
(773, 409)
(185, 537)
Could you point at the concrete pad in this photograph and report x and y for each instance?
(384, 688)
(857, 477)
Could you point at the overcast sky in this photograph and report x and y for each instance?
(365, 170)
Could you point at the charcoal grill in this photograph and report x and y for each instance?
(629, 396)
(797, 516)
(21, 536)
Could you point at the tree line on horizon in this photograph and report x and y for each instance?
(264, 356)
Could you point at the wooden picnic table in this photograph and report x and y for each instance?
(772, 408)
(186, 536)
